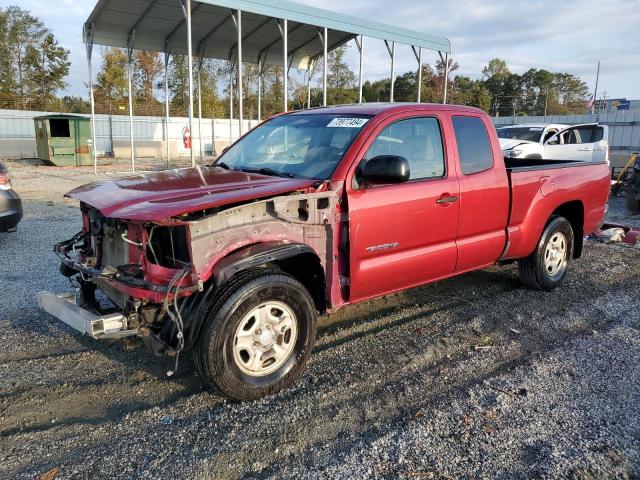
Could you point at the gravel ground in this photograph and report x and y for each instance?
(473, 377)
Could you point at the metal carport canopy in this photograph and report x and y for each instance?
(254, 31)
(159, 25)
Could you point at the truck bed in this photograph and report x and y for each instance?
(538, 186)
(532, 164)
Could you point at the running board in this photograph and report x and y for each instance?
(64, 308)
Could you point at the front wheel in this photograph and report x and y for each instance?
(258, 336)
(546, 267)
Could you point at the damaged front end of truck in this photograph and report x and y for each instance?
(139, 274)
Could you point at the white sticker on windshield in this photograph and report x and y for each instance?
(536, 129)
(347, 122)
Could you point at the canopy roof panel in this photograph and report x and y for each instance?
(159, 25)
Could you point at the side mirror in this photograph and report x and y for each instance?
(385, 169)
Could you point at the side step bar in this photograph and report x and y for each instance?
(64, 308)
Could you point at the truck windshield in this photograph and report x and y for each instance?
(296, 146)
(532, 134)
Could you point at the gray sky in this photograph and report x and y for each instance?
(568, 36)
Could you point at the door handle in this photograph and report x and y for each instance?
(446, 200)
(586, 149)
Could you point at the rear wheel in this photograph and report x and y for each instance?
(258, 336)
(546, 268)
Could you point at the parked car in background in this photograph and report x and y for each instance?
(589, 142)
(309, 212)
(10, 203)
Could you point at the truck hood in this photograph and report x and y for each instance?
(508, 143)
(163, 195)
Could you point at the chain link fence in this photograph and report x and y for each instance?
(151, 145)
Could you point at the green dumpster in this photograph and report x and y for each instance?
(64, 140)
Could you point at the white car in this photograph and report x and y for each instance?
(588, 142)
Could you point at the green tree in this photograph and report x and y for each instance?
(24, 29)
(7, 72)
(73, 104)
(111, 86)
(473, 93)
(47, 65)
(212, 106)
(496, 75)
(340, 78)
(147, 69)
(571, 94)
(179, 85)
(406, 88)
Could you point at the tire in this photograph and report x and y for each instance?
(546, 268)
(257, 337)
(632, 202)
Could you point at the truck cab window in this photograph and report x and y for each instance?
(474, 148)
(416, 139)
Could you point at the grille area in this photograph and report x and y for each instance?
(115, 251)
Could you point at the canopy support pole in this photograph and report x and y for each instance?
(166, 106)
(89, 46)
(186, 9)
(445, 60)
(283, 25)
(237, 19)
(310, 66)
(325, 69)
(392, 53)
(418, 55)
(130, 89)
(230, 102)
(360, 45)
(285, 64)
(260, 72)
(200, 109)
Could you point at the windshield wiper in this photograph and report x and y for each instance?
(267, 171)
(222, 165)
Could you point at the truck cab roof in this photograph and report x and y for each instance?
(377, 108)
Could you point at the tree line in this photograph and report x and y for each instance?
(34, 67)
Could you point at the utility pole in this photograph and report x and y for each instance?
(595, 93)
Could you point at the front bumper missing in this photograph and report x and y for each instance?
(116, 275)
(64, 308)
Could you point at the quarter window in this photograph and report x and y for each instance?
(474, 147)
(416, 139)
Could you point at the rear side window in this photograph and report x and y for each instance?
(474, 147)
(587, 134)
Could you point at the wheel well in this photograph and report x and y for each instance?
(297, 260)
(306, 268)
(574, 213)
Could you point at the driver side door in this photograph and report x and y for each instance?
(404, 234)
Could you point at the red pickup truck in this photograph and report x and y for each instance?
(309, 212)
